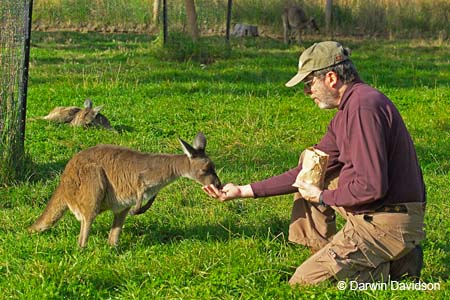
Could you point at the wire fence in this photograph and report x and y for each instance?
(14, 16)
(412, 18)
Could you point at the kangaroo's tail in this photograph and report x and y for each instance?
(55, 209)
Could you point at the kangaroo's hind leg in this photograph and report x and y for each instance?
(90, 196)
(116, 229)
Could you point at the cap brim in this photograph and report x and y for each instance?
(297, 78)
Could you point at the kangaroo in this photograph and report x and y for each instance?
(62, 114)
(76, 116)
(294, 19)
(109, 177)
(90, 116)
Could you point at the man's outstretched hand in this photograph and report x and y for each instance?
(228, 192)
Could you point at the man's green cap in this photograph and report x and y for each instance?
(319, 56)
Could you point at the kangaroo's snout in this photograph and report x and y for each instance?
(205, 176)
(218, 184)
(215, 181)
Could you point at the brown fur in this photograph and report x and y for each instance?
(88, 116)
(108, 177)
(295, 21)
(62, 114)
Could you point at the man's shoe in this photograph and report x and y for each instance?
(408, 266)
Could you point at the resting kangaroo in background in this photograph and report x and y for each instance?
(294, 19)
(108, 177)
(90, 116)
(76, 116)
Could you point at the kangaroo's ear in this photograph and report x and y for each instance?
(187, 149)
(88, 103)
(97, 109)
(200, 142)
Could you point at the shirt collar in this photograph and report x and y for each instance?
(345, 97)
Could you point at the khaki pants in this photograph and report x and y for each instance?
(361, 251)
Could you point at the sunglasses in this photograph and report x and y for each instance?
(309, 83)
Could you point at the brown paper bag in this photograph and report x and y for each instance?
(314, 166)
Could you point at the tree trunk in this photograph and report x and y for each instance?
(165, 22)
(191, 16)
(155, 19)
(227, 35)
(328, 15)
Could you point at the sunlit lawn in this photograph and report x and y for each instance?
(188, 246)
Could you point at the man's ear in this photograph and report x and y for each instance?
(332, 79)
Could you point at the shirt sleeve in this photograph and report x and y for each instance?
(364, 177)
(277, 185)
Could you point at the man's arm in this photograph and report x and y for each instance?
(277, 185)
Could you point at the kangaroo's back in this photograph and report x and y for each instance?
(122, 166)
(62, 114)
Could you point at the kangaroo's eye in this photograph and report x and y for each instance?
(208, 169)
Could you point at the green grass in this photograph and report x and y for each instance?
(189, 246)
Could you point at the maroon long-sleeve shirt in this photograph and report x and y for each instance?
(368, 141)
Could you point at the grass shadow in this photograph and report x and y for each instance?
(45, 171)
(400, 69)
(123, 128)
(166, 234)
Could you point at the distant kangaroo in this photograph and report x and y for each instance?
(90, 116)
(76, 116)
(294, 19)
(108, 177)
